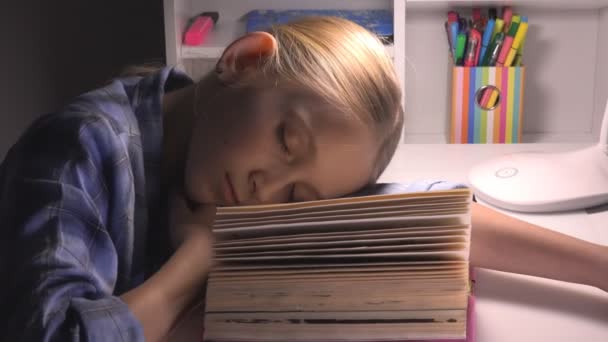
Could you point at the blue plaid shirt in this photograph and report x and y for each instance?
(80, 197)
(82, 213)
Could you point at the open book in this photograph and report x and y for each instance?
(373, 268)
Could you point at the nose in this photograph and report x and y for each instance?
(270, 187)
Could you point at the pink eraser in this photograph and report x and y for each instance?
(198, 31)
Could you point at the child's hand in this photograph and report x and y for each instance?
(602, 270)
(186, 222)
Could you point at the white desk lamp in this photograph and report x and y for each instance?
(544, 182)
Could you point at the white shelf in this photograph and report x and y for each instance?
(214, 52)
(222, 34)
(546, 4)
(527, 138)
(225, 32)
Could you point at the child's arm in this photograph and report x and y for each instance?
(503, 243)
(67, 246)
(159, 301)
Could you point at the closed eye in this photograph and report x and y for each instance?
(282, 138)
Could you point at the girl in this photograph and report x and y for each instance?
(309, 110)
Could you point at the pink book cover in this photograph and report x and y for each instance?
(470, 334)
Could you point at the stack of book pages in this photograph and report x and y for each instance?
(373, 268)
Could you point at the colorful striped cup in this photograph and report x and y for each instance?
(499, 120)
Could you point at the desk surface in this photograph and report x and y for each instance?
(509, 307)
(513, 307)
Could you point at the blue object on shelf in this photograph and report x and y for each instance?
(378, 21)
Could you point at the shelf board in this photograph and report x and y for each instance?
(552, 4)
(223, 34)
(527, 138)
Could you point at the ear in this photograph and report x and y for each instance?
(244, 55)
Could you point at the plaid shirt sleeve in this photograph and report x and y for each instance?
(58, 261)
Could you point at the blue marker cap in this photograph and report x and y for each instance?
(454, 34)
(485, 41)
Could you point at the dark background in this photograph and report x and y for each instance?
(55, 50)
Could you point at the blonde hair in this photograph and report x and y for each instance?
(349, 67)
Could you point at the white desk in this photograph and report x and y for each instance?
(509, 307)
(513, 307)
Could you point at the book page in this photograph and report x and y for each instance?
(424, 247)
(352, 234)
(351, 269)
(364, 263)
(345, 203)
(352, 200)
(341, 225)
(347, 241)
(427, 203)
(442, 210)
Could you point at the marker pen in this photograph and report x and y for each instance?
(199, 28)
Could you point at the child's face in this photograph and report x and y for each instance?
(274, 145)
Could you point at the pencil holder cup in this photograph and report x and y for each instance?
(487, 104)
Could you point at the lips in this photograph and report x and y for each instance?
(229, 192)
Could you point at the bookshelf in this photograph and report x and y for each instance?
(222, 35)
(566, 84)
(232, 25)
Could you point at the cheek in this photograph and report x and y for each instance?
(197, 174)
(243, 135)
(232, 133)
(224, 144)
